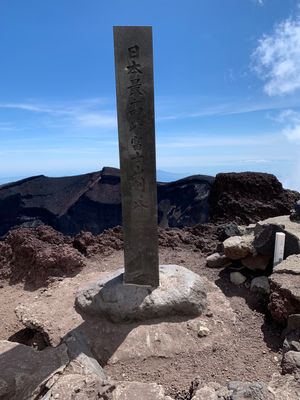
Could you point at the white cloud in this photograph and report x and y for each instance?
(96, 120)
(290, 120)
(277, 58)
(292, 133)
(84, 114)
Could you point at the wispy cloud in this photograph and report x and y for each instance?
(277, 58)
(224, 109)
(85, 114)
(195, 140)
(7, 127)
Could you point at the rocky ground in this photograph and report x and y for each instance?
(236, 340)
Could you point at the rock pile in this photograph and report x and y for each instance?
(33, 255)
(250, 254)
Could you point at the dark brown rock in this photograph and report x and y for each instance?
(264, 241)
(33, 255)
(248, 197)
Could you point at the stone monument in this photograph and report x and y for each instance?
(136, 293)
(135, 104)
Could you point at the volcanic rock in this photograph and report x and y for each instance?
(237, 278)
(285, 289)
(248, 197)
(79, 387)
(260, 284)
(25, 370)
(237, 247)
(217, 260)
(138, 390)
(291, 362)
(264, 242)
(181, 292)
(35, 254)
(256, 262)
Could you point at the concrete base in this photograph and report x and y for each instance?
(181, 292)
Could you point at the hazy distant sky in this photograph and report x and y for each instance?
(227, 85)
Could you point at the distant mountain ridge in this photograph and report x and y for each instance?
(92, 202)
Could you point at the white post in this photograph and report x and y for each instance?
(279, 248)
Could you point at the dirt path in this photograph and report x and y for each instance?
(248, 350)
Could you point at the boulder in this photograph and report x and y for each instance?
(256, 262)
(181, 292)
(264, 242)
(237, 278)
(285, 289)
(260, 284)
(284, 387)
(205, 393)
(238, 247)
(79, 387)
(81, 358)
(138, 391)
(24, 371)
(249, 390)
(289, 266)
(247, 197)
(217, 260)
(291, 362)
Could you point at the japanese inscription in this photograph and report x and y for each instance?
(135, 103)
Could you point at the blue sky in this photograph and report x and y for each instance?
(227, 85)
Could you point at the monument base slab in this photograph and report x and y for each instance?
(181, 292)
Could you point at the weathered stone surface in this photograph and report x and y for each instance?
(81, 358)
(260, 284)
(217, 260)
(249, 390)
(256, 262)
(134, 61)
(79, 387)
(291, 362)
(138, 391)
(205, 393)
(24, 370)
(285, 289)
(237, 278)
(284, 387)
(289, 266)
(281, 387)
(265, 232)
(237, 247)
(181, 292)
